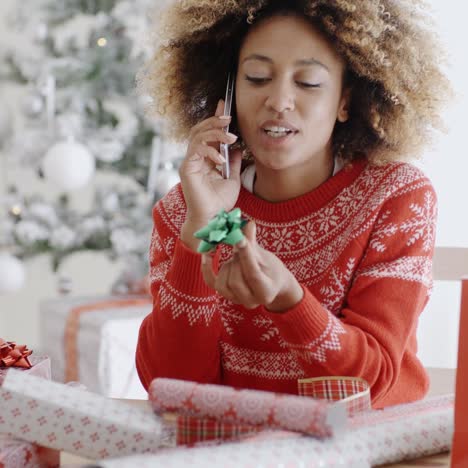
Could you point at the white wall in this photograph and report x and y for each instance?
(447, 166)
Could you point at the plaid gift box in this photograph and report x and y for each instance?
(351, 392)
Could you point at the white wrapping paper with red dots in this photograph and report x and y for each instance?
(397, 433)
(61, 417)
(275, 449)
(407, 431)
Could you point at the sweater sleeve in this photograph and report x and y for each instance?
(389, 290)
(180, 338)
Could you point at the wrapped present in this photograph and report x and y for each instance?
(13, 355)
(19, 358)
(93, 340)
(248, 407)
(15, 453)
(391, 435)
(80, 422)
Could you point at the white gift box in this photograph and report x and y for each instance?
(65, 418)
(106, 343)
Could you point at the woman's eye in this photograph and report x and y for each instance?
(257, 80)
(308, 85)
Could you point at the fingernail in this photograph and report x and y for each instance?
(231, 135)
(241, 244)
(204, 260)
(221, 158)
(224, 117)
(195, 157)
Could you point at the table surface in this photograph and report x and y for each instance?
(442, 382)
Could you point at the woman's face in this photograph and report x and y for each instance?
(288, 92)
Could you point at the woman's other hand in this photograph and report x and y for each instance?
(253, 277)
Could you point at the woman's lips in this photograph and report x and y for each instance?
(268, 141)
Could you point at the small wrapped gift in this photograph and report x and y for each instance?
(80, 422)
(259, 409)
(16, 453)
(40, 367)
(13, 356)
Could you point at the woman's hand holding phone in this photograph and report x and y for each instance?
(206, 192)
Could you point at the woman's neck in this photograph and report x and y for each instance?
(285, 184)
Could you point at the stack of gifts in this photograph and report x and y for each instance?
(93, 340)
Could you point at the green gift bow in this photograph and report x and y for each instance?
(223, 228)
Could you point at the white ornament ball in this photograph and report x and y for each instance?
(12, 273)
(69, 165)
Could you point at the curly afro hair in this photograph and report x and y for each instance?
(393, 65)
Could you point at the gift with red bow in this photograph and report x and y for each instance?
(13, 355)
(16, 453)
(19, 357)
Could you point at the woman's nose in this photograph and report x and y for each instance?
(280, 96)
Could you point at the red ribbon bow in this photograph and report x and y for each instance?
(13, 355)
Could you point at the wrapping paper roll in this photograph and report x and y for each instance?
(248, 407)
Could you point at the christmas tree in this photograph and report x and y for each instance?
(81, 114)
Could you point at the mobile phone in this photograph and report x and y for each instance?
(224, 148)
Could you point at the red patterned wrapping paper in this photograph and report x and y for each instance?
(392, 435)
(40, 368)
(16, 453)
(61, 417)
(247, 407)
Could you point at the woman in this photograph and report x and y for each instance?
(336, 264)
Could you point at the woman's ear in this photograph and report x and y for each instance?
(343, 109)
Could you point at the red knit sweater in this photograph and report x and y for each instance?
(360, 244)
